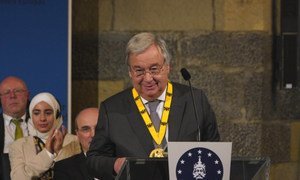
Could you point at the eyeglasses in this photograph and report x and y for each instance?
(14, 91)
(86, 129)
(153, 70)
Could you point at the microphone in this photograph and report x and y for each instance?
(186, 76)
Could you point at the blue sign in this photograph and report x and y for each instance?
(199, 163)
(34, 45)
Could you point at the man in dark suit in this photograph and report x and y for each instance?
(14, 100)
(127, 122)
(75, 167)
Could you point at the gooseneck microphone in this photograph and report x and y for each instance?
(186, 76)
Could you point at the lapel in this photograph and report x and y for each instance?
(1, 133)
(4, 160)
(27, 117)
(82, 161)
(176, 115)
(174, 124)
(138, 126)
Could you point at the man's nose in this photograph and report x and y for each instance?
(93, 132)
(148, 76)
(12, 93)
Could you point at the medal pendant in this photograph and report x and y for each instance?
(157, 153)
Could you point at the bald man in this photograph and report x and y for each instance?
(74, 167)
(14, 97)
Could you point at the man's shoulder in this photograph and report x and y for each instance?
(73, 167)
(2, 134)
(1, 118)
(120, 96)
(177, 85)
(182, 88)
(71, 160)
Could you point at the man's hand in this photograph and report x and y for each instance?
(118, 164)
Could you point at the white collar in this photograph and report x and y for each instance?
(8, 118)
(162, 97)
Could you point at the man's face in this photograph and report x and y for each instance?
(14, 97)
(149, 85)
(86, 123)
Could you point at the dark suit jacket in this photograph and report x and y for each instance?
(71, 168)
(121, 131)
(4, 164)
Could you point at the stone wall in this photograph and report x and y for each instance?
(228, 47)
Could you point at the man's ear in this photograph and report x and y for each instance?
(168, 68)
(129, 73)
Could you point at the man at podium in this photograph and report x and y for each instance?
(139, 121)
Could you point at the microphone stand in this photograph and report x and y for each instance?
(186, 76)
(195, 110)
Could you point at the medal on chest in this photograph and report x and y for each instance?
(156, 136)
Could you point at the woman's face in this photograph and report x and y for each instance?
(43, 117)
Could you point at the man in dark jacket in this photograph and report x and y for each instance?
(139, 121)
(14, 97)
(75, 167)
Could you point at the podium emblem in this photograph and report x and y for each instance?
(199, 163)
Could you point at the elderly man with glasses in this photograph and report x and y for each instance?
(14, 97)
(139, 121)
(74, 167)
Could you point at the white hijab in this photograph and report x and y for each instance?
(49, 99)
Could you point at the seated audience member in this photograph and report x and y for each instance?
(74, 167)
(14, 99)
(32, 157)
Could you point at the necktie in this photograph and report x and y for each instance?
(18, 131)
(153, 114)
(155, 119)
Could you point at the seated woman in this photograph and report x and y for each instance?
(33, 157)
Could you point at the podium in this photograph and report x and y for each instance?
(157, 168)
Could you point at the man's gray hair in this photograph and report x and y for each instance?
(142, 41)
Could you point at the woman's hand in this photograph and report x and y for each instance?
(59, 139)
(55, 140)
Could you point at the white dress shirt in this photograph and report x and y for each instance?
(10, 128)
(159, 109)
